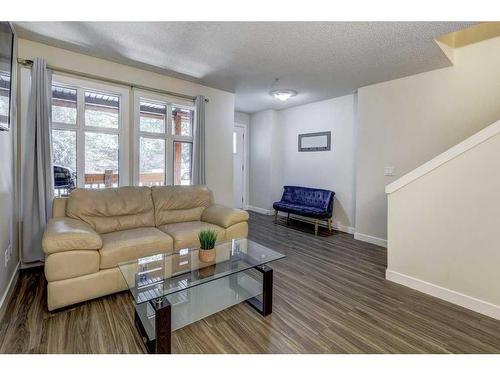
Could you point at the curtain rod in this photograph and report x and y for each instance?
(29, 63)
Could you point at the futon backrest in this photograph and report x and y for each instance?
(113, 209)
(176, 204)
(309, 197)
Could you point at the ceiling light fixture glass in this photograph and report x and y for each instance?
(283, 95)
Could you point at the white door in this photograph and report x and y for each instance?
(238, 165)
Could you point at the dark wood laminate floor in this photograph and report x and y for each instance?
(330, 296)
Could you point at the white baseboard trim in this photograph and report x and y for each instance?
(457, 298)
(343, 228)
(374, 240)
(322, 223)
(8, 291)
(259, 210)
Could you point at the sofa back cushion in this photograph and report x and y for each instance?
(177, 204)
(113, 209)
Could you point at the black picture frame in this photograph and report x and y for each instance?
(6, 28)
(326, 135)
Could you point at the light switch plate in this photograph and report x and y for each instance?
(389, 171)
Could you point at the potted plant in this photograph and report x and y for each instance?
(206, 271)
(207, 238)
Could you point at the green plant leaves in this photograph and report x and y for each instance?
(207, 238)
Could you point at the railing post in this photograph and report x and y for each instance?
(108, 178)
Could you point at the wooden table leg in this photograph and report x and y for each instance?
(264, 307)
(163, 325)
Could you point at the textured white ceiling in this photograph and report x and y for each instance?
(320, 60)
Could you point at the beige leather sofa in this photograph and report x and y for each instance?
(91, 231)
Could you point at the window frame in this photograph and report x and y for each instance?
(167, 136)
(82, 85)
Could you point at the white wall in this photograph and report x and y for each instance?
(219, 114)
(264, 171)
(242, 118)
(443, 228)
(406, 122)
(332, 170)
(274, 153)
(8, 217)
(400, 123)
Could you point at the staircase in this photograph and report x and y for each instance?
(444, 225)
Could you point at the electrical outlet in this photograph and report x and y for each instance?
(7, 255)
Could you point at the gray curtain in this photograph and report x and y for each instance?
(199, 177)
(37, 185)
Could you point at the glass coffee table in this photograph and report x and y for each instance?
(176, 289)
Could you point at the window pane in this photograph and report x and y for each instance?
(4, 98)
(152, 117)
(63, 105)
(182, 121)
(182, 163)
(4, 108)
(101, 160)
(152, 162)
(64, 159)
(101, 110)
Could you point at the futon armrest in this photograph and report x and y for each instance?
(223, 216)
(65, 234)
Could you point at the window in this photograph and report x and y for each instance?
(87, 135)
(64, 139)
(4, 98)
(101, 110)
(152, 150)
(152, 161)
(63, 105)
(182, 121)
(182, 163)
(164, 141)
(101, 146)
(153, 117)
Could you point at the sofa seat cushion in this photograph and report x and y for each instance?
(64, 234)
(132, 244)
(301, 209)
(186, 234)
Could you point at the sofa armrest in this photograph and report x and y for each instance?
(65, 234)
(223, 216)
(59, 207)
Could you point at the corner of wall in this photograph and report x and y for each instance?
(8, 199)
(447, 50)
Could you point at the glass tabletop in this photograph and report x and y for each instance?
(164, 274)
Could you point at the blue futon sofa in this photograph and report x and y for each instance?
(308, 202)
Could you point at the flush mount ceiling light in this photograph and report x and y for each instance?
(283, 95)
